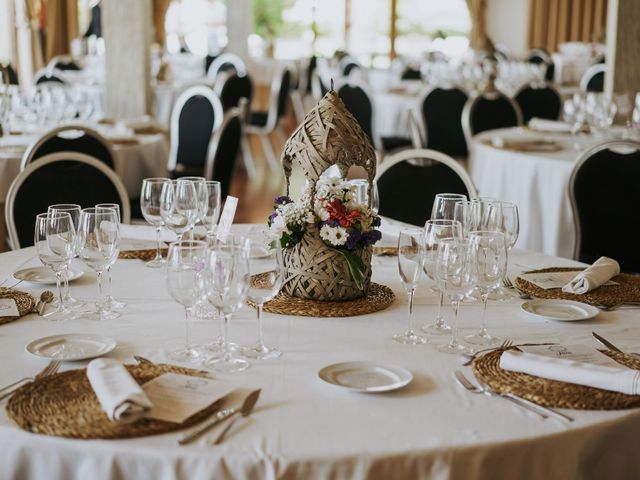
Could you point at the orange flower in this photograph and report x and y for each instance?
(338, 212)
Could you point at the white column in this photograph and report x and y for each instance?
(127, 31)
(7, 30)
(239, 27)
(623, 45)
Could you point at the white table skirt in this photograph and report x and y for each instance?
(303, 428)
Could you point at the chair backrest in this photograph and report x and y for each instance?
(63, 177)
(196, 114)
(225, 62)
(318, 88)
(47, 75)
(411, 73)
(62, 63)
(489, 111)
(407, 188)
(347, 65)
(8, 75)
(415, 133)
(225, 146)
(359, 102)
(593, 78)
(603, 189)
(279, 97)
(70, 138)
(541, 102)
(538, 55)
(231, 87)
(441, 114)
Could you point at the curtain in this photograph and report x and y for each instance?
(32, 14)
(160, 8)
(62, 26)
(478, 39)
(552, 22)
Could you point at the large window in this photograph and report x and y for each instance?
(198, 26)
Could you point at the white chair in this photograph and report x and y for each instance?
(224, 62)
(593, 78)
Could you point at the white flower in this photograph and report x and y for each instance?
(278, 226)
(334, 236)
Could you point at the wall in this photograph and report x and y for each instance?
(6, 31)
(508, 23)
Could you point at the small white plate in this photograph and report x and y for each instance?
(561, 310)
(71, 346)
(366, 376)
(44, 275)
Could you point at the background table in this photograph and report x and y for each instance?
(304, 428)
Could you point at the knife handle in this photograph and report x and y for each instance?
(212, 422)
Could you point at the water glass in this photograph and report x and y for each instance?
(410, 265)
(111, 302)
(210, 205)
(150, 207)
(444, 205)
(73, 210)
(179, 206)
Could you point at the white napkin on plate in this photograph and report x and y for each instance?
(592, 277)
(119, 394)
(146, 232)
(544, 125)
(623, 380)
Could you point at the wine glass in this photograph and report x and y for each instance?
(410, 264)
(179, 205)
(444, 205)
(267, 270)
(468, 213)
(452, 274)
(199, 183)
(487, 267)
(210, 203)
(99, 237)
(150, 206)
(111, 302)
(434, 232)
(73, 210)
(55, 242)
(184, 277)
(503, 217)
(227, 285)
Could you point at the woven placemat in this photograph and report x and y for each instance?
(64, 405)
(146, 255)
(385, 251)
(24, 301)
(552, 393)
(378, 298)
(628, 289)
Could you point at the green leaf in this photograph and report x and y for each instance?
(356, 267)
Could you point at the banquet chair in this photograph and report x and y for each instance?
(541, 56)
(63, 63)
(603, 190)
(8, 75)
(441, 113)
(593, 78)
(408, 186)
(196, 114)
(262, 123)
(70, 138)
(62, 177)
(415, 132)
(411, 73)
(318, 87)
(224, 149)
(539, 101)
(489, 111)
(46, 75)
(224, 63)
(230, 87)
(348, 65)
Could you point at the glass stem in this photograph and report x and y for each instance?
(454, 324)
(65, 279)
(483, 318)
(158, 256)
(188, 312)
(260, 340)
(109, 282)
(439, 319)
(225, 330)
(59, 285)
(100, 289)
(410, 312)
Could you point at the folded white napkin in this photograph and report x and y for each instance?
(119, 394)
(592, 277)
(544, 125)
(390, 230)
(623, 380)
(146, 232)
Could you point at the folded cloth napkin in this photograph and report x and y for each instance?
(145, 232)
(544, 125)
(119, 394)
(391, 229)
(592, 277)
(623, 380)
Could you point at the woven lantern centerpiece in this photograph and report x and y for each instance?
(327, 234)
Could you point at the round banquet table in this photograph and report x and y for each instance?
(304, 428)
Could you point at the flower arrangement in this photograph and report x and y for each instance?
(345, 225)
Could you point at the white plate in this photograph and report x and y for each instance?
(44, 275)
(561, 310)
(366, 376)
(71, 346)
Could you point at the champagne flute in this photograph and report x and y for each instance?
(444, 205)
(179, 206)
(55, 242)
(184, 277)
(111, 302)
(487, 267)
(410, 264)
(150, 206)
(210, 203)
(73, 210)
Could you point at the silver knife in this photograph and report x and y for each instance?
(611, 346)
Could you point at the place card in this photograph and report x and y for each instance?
(176, 397)
(576, 352)
(226, 217)
(8, 308)
(549, 280)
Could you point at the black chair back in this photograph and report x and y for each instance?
(488, 112)
(196, 122)
(233, 89)
(313, 61)
(442, 111)
(604, 187)
(49, 77)
(596, 83)
(357, 101)
(225, 148)
(349, 67)
(283, 94)
(8, 75)
(411, 73)
(67, 65)
(539, 102)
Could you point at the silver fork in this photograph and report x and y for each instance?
(51, 368)
(469, 357)
(507, 283)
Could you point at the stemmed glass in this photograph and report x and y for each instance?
(444, 205)
(410, 264)
(199, 183)
(179, 205)
(452, 273)
(487, 267)
(503, 217)
(100, 234)
(468, 213)
(227, 285)
(111, 302)
(267, 270)
(434, 232)
(185, 283)
(150, 206)
(55, 242)
(210, 200)
(73, 210)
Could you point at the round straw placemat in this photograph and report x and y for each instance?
(377, 298)
(65, 405)
(552, 393)
(628, 289)
(146, 255)
(24, 301)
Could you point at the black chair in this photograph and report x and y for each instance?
(540, 102)
(52, 76)
(603, 189)
(488, 111)
(409, 181)
(196, 114)
(225, 63)
(593, 78)
(63, 63)
(8, 75)
(541, 56)
(348, 65)
(70, 138)
(224, 150)
(63, 177)
(231, 87)
(441, 113)
(411, 73)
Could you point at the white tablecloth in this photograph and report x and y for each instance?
(304, 428)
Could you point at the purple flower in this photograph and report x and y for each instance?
(353, 238)
(371, 237)
(282, 200)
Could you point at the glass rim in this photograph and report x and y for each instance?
(53, 214)
(183, 244)
(441, 221)
(156, 180)
(451, 195)
(493, 233)
(64, 207)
